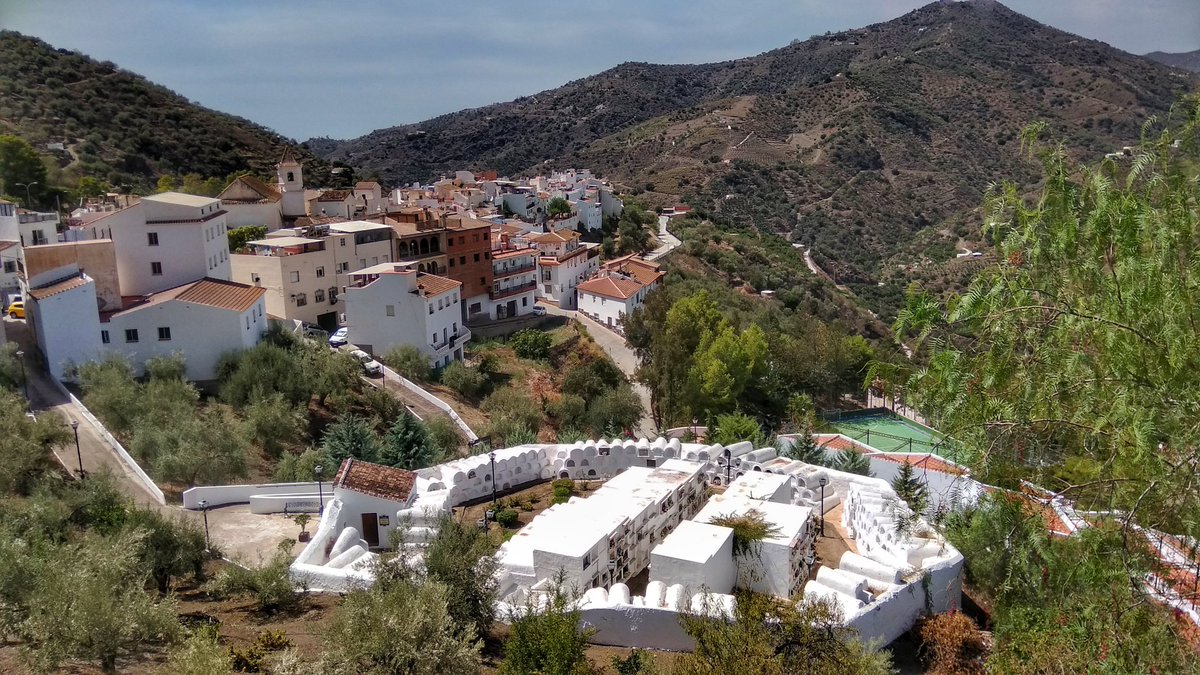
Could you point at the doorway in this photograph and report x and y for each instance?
(370, 529)
(328, 321)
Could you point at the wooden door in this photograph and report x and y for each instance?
(370, 528)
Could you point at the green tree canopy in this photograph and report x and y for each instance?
(350, 436)
(20, 166)
(407, 444)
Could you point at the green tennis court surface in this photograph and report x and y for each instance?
(889, 433)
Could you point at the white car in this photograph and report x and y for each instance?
(339, 337)
(369, 365)
(538, 310)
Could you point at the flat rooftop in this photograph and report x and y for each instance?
(358, 226)
(180, 199)
(790, 520)
(283, 242)
(756, 485)
(694, 541)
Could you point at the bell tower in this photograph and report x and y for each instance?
(291, 185)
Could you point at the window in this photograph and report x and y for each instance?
(156, 269)
(343, 267)
(104, 337)
(320, 272)
(164, 333)
(10, 266)
(301, 299)
(476, 257)
(374, 260)
(439, 304)
(295, 277)
(152, 238)
(333, 295)
(131, 335)
(525, 301)
(433, 339)
(487, 255)
(452, 262)
(462, 260)
(476, 236)
(319, 295)
(342, 241)
(431, 308)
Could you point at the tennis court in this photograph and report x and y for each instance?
(887, 431)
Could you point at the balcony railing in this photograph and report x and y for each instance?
(497, 293)
(463, 335)
(501, 272)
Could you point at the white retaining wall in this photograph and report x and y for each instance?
(438, 403)
(119, 449)
(218, 495)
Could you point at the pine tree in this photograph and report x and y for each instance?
(351, 436)
(407, 444)
(851, 461)
(910, 489)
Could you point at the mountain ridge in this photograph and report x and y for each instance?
(1185, 60)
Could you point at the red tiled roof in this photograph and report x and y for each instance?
(553, 237)
(335, 195)
(60, 287)
(228, 295)
(611, 287)
(432, 284)
(925, 462)
(375, 480)
(266, 192)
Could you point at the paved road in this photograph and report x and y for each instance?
(614, 345)
(669, 241)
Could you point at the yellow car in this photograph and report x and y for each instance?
(17, 310)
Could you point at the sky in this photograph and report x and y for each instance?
(342, 69)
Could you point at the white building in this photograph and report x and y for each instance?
(30, 228)
(389, 305)
(249, 202)
(563, 264)
(696, 555)
(166, 240)
(200, 319)
(603, 538)
(305, 270)
(779, 564)
(620, 287)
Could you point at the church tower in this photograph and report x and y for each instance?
(291, 185)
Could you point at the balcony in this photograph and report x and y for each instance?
(499, 293)
(502, 272)
(461, 337)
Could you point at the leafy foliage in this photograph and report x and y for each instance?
(531, 343)
(269, 585)
(749, 530)
(409, 362)
(239, 236)
(774, 638)
(350, 436)
(407, 444)
(735, 428)
(547, 639)
(851, 461)
(459, 557)
(469, 382)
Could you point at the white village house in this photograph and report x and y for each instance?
(392, 304)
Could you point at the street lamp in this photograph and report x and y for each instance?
(492, 457)
(320, 490)
(28, 198)
(78, 454)
(204, 507)
(24, 383)
(728, 461)
(822, 483)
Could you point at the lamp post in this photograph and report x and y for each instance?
(492, 457)
(204, 508)
(320, 490)
(24, 383)
(823, 480)
(78, 454)
(28, 198)
(728, 461)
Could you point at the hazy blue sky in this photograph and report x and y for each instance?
(341, 69)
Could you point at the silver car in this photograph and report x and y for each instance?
(369, 365)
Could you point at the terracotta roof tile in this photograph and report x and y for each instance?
(60, 287)
(432, 284)
(335, 195)
(267, 192)
(222, 294)
(555, 237)
(610, 287)
(375, 480)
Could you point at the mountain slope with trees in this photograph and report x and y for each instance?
(118, 127)
(1186, 60)
(853, 143)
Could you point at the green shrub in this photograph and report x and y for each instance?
(269, 585)
(530, 343)
(561, 496)
(469, 382)
(508, 518)
(409, 361)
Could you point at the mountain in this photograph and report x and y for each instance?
(1185, 60)
(873, 146)
(120, 127)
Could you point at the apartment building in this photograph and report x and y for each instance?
(469, 261)
(514, 283)
(390, 305)
(304, 270)
(564, 262)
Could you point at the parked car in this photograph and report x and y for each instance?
(538, 310)
(17, 310)
(339, 337)
(369, 365)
